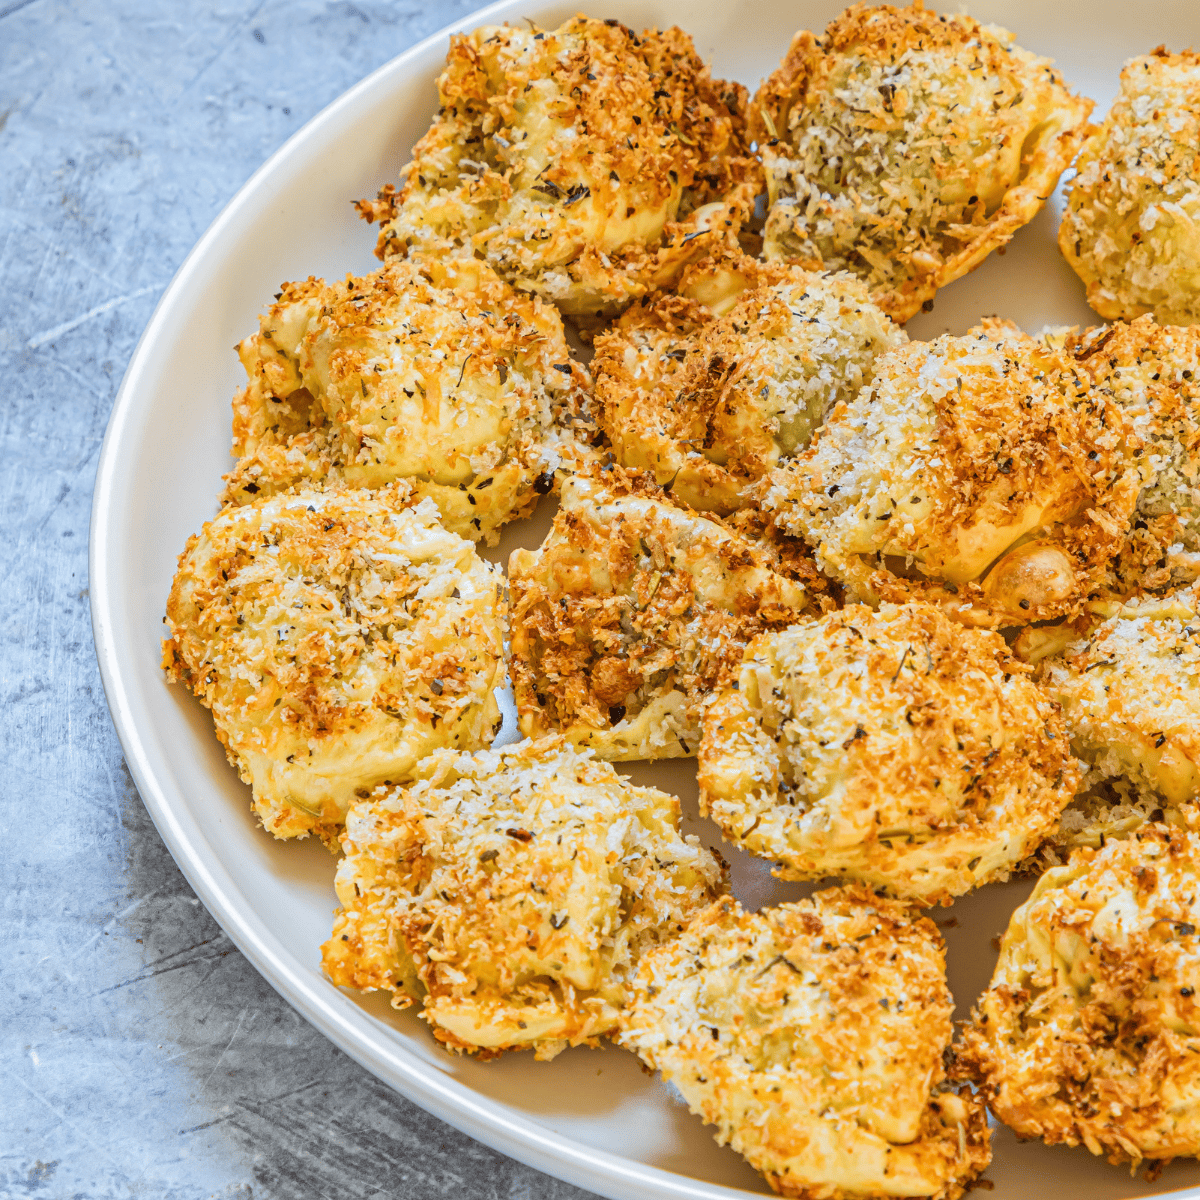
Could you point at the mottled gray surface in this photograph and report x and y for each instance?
(140, 1054)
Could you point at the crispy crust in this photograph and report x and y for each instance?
(905, 145)
(1131, 229)
(338, 638)
(894, 748)
(982, 473)
(1131, 695)
(1153, 373)
(512, 891)
(811, 1035)
(1090, 1031)
(435, 372)
(625, 617)
(709, 401)
(585, 163)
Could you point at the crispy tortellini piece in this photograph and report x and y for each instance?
(511, 893)
(983, 473)
(625, 616)
(811, 1035)
(1131, 229)
(1090, 1031)
(434, 372)
(893, 747)
(583, 163)
(905, 145)
(709, 389)
(1152, 372)
(1130, 693)
(338, 638)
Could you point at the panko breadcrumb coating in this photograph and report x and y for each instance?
(1152, 372)
(339, 638)
(708, 404)
(435, 372)
(513, 891)
(1130, 693)
(625, 616)
(905, 145)
(1131, 229)
(893, 747)
(811, 1035)
(583, 163)
(1090, 1031)
(983, 473)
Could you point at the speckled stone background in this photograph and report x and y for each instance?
(140, 1054)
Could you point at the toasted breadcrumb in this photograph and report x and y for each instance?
(905, 145)
(1152, 372)
(512, 892)
(710, 403)
(584, 163)
(1131, 695)
(893, 747)
(811, 1035)
(1131, 229)
(625, 616)
(1090, 1031)
(435, 372)
(983, 473)
(338, 638)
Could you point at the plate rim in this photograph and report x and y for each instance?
(323, 1006)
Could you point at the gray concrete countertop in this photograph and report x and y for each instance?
(140, 1054)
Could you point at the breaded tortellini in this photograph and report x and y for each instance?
(983, 473)
(1130, 693)
(511, 892)
(709, 401)
(1090, 1031)
(1131, 229)
(584, 163)
(893, 747)
(436, 372)
(905, 145)
(811, 1035)
(625, 616)
(338, 638)
(1152, 372)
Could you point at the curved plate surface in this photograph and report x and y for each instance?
(590, 1117)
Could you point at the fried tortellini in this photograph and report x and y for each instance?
(905, 145)
(1130, 692)
(1152, 372)
(625, 616)
(811, 1035)
(983, 473)
(511, 893)
(436, 372)
(893, 747)
(1090, 1031)
(584, 163)
(338, 638)
(710, 387)
(1131, 229)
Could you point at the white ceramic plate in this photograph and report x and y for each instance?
(590, 1117)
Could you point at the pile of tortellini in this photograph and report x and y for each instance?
(926, 614)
